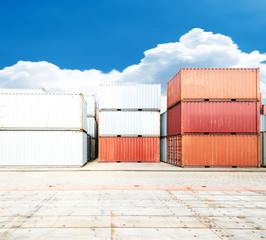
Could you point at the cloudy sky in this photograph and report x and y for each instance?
(72, 46)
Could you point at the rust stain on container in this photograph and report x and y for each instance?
(220, 117)
(129, 149)
(221, 150)
(197, 84)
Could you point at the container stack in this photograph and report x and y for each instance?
(163, 127)
(263, 133)
(43, 129)
(92, 125)
(129, 123)
(213, 118)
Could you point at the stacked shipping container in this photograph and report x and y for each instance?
(42, 129)
(92, 125)
(213, 117)
(263, 133)
(129, 123)
(163, 127)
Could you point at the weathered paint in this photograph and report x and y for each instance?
(242, 150)
(130, 96)
(129, 149)
(220, 117)
(197, 84)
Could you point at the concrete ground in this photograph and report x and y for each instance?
(132, 201)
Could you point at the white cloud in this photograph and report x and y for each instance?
(196, 48)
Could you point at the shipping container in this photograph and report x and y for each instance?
(129, 123)
(43, 148)
(129, 149)
(220, 150)
(214, 84)
(92, 127)
(94, 148)
(163, 104)
(91, 105)
(163, 149)
(163, 124)
(23, 90)
(43, 112)
(263, 123)
(223, 117)
(263, 148)
(264, 109)
(130, 96)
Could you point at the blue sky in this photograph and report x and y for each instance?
(106, 35)
(39, 40)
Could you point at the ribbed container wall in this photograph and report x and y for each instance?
(220, 117)
(129, 123)
(43, 148)
(263, 123)
(91, 105)
(43, 112)
(23, 90)
(94, 148)
(163, 124)
(130, 97)
(163, 149)
(197, 84)
(221, 150)
(92, 127)
(263, 148)
(129, 149)
(163, 104)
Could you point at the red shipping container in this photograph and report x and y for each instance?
(129, 149)
(215, 84)
(220, 150)
(220, 117)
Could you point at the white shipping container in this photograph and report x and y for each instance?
(92, 127)
(130, 96)
(163, 124)
(129, 123)
(42, 112)
(91, 105)
(163, 104)
(43, 148)
(23, 90)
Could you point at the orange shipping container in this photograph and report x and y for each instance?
(217, 84)
(129, 149)
(221, 150)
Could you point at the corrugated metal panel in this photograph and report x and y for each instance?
(43, 148)
(91, 105)
(23, 90)
(263, 148)
(163, 149)
(263, 123)
(196, 84)
(219, 150)
(213, 117)
(129, 123)
(163, 124)
(92, 127)
(163, 104)
(94, 148)
(174, 150)
(129, 149)
(131, 96)
(42, 112)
